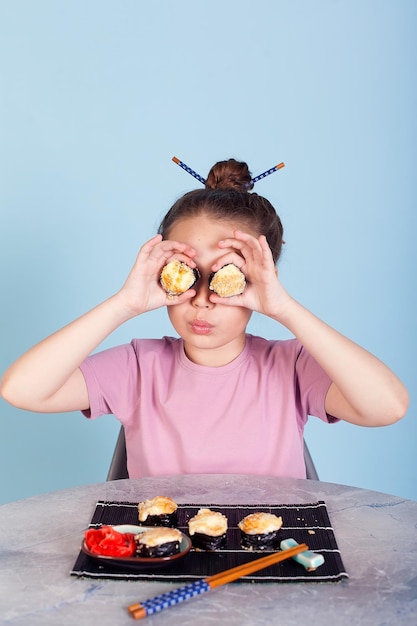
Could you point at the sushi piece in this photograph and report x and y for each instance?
(157, 542)
(259, 531)
(160, 511)
(177, 277)
(208, 530)
(227, 281)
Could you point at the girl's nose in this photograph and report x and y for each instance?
(201, 298)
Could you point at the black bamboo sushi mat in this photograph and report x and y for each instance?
(306, 523)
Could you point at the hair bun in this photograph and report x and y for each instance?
(230, 174)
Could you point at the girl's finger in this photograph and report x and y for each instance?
(179, 256)
(248, 248)
(170, 245)
(231, 257)
(161, 250)
(150, 245)
(183, 297)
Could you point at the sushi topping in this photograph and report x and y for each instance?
(260, 523)
(228, 281)
(158, 536)
(208, 522)
(107, 541)
(177, 277)
(160, 505)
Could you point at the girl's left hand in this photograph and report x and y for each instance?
(263, 293)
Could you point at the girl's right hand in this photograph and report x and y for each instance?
(142, 290)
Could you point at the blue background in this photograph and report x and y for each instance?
(96, 97)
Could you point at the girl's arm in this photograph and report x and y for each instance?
(364, 391)
(47, 378)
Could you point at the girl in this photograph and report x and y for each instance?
(216, 399)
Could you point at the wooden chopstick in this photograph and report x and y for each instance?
(165, 600)
(228, 575)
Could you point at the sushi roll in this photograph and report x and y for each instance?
(160, 511)
(259, 531)
(227, 281)
(157, 542)
(176, 277)
(208, 530)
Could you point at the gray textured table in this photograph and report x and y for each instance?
(376, 534)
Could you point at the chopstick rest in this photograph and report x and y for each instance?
(165, 600)
(309, 560)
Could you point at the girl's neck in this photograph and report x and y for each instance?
(215, 357)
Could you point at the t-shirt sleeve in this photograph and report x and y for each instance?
(111, 377)
(312, 386)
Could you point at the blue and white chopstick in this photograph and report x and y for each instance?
(166, 600)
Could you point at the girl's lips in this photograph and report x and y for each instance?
(201, 327)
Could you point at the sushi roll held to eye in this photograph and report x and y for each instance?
(158, 542)
(177, 277)
(160, 511)
(208, 530)
(227, 281)
(259, 531)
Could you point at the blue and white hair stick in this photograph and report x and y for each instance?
(189, 170)
(268, 172)
(166, 600)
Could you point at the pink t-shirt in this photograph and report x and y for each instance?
(246, 417)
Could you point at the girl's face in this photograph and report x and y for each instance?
(213, 334)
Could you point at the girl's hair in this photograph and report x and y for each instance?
(226, 197)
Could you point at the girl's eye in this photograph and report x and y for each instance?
(228, 281)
